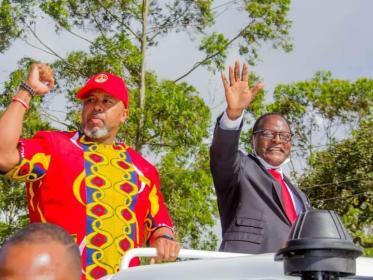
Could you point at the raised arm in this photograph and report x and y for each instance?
(40, 79)
(224, 153)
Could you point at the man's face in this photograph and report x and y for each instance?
(102, 116)
(274, 151)
(48, 261)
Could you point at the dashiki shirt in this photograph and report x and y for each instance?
(106, 196)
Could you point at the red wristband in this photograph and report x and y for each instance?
(23, 103)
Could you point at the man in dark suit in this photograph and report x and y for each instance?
(257, 203)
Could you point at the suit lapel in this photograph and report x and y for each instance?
(273, 189)
(298, 193)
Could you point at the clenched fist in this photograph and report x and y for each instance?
(40, 78)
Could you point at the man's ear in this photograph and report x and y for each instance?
(253, 143)
(124, 115)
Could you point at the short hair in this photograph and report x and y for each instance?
(37, 233)
(259, 121)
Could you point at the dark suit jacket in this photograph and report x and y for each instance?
(249, 198)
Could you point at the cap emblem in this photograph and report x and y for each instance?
(101, 78)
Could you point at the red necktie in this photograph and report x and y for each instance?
(286, 198)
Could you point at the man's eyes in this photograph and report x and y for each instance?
(104, 101)
(89, 100)
(269, 133)
(283, 135)
(108, 101)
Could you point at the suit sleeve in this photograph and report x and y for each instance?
(225, 158)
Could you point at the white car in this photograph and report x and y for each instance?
(216, 265)
(319, 247)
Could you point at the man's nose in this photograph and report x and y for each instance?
(277, 138)
(98, 107)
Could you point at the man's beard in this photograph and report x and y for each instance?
(96, 132)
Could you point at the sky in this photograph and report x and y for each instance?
(333, 35)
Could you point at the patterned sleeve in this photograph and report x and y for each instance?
(34, 159)
(158, 214)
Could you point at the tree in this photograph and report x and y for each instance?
(341, 179)
(164, 120)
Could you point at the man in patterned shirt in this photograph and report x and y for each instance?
(103, 193)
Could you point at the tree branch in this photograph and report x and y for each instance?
(52, 118)
(151, 138)
(196, 65)
(165, 145)
(53, 52)
(166, 24)
(36, 47)
(168, 145)
(77, 35)
(87, 40)
(120, 21)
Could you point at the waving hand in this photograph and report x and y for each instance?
(237, 92)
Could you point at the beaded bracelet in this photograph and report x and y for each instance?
(166, 236)
(27, 88)
(23, 103)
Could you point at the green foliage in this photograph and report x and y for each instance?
(175, 116)
(341, 178)
(186, 182)
(113, 17)
(8, 27)
(12, 208)
(215, 43)
(269, 23)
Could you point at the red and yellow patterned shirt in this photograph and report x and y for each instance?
(106, 196)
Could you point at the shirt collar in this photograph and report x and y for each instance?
(270, 166)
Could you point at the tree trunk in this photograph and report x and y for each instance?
(141, 100)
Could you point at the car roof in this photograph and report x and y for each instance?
(260, 266)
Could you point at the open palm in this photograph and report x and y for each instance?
(237, 92)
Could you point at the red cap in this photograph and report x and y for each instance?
(110, 83)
